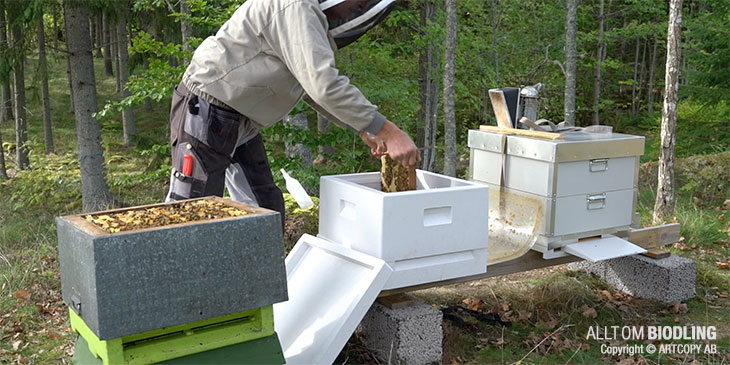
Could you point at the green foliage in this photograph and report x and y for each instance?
(52, 183)
(709, 51)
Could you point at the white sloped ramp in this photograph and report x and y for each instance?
(330, 288)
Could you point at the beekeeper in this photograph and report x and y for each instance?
(269, 55)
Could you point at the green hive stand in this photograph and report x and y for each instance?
(240, 338)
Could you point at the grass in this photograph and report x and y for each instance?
(550, 311)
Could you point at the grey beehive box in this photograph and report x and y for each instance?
(136, 281)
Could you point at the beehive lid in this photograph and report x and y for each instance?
(576, 146)
(331, 288)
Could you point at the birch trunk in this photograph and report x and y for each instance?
(45, 98)
(449, 94)
(665, 198)
(571, 29)
(94, 189)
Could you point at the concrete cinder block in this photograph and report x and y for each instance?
(132, 282)
(410, 334)
(671, 279)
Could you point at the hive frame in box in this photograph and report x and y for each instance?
(437, 232)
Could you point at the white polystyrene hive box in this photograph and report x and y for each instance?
(444, 215)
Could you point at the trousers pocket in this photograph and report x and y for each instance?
(213, 126)
(222, 132)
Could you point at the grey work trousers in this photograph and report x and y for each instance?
(210, 135)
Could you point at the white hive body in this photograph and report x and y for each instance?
(437, 232)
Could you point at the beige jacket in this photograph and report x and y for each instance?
(263, 60)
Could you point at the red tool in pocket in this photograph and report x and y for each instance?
(187, 169)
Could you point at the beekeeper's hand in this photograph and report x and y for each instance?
(377, 145)
(398, 144)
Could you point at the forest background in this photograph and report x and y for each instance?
(141, 48)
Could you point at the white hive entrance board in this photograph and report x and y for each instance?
(608, 247)
(331, 287)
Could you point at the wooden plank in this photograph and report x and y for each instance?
(656, 253)
(396, 301)
(521, 132)
(656, 236)
(647, 238)
(499, 105)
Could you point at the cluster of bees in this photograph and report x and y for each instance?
(188, 211)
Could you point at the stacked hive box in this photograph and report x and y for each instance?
(152, 294)
(586, 182)
(437, 232)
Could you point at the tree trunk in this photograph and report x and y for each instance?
(21, 121)
(600, 54)
(99, 36)
(571, 55)
(642, 72)
(130, 131)
(449, 93)
(323, 127)
(108, 68)
(55, 27)
(298, 150)
(6, 101)
(495, 38)
(115, 53)
(68, 76)
(652, 77)
(428, 85)
(185, 29)
(45, 99)
(3, 172)
(634, 108)
(94, 189)
(3, 49)
(665, 198)
(147, 100)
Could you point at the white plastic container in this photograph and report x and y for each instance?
(437, 232)
(295, 188)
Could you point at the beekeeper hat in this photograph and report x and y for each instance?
(350, 19)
